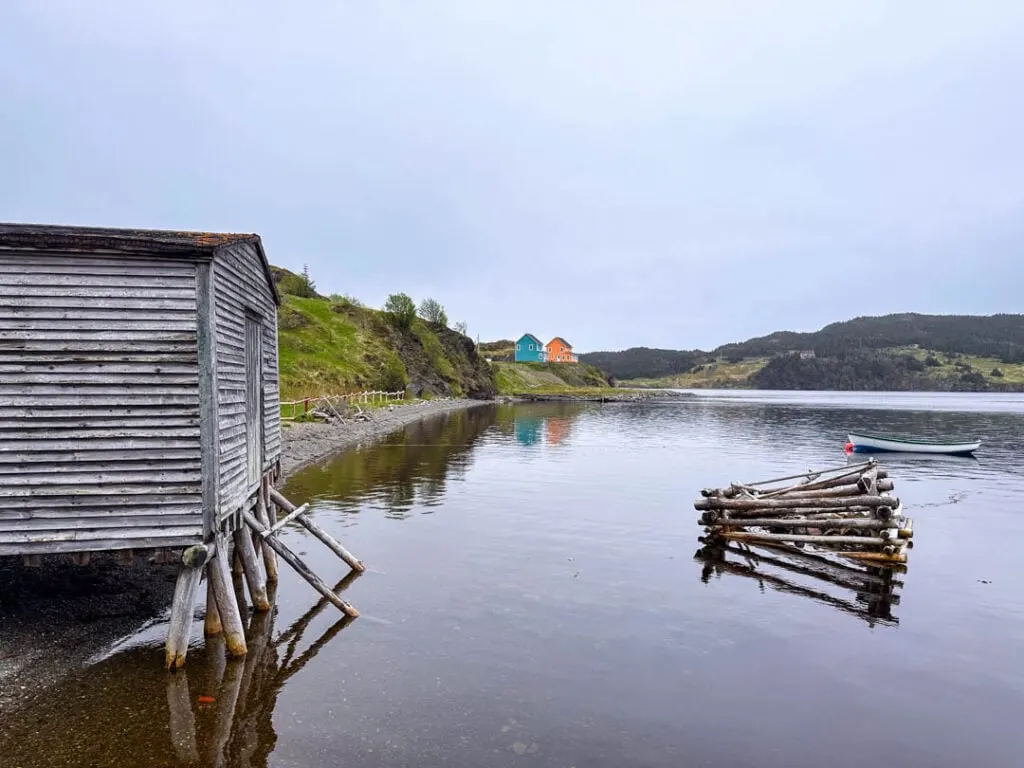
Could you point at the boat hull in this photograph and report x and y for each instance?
(876, 444)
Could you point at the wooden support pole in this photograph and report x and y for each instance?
(757, 505)
(333, 544)
(180, 626)
(32, 561)
(224, 598)
(211, 621)
(80, 558)
(125, 557)
(300, 567)
(264, 508)
(253, 573)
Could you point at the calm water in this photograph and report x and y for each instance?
(534, 599)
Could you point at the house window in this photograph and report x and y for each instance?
(519, 348)
(531, 347)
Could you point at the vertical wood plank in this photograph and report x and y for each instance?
(209, 424)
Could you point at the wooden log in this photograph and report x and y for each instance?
(180, 627)
(253, 573)
(280, 524)
(211, 621)
(224, 598)
(876, 557)
(867, 541)
(263, 512)
(756, 505)
(333, 544)
(839, 491)
(845, 468)
(868, 482)
(803, 522)
(300, 567)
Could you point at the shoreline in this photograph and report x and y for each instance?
(306, 443)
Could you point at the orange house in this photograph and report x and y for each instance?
(560, 351)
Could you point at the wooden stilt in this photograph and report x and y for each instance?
(333, 544)
(211, 622)
(181, 616)
(253, 573)
(236, 562)
(80, 558)
(32, 561)
(227, 605)
(300, 567)
(125, 556)
(264, 509)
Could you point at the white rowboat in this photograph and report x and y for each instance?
(877, 443)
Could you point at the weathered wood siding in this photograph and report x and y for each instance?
(99, 405)
(241, 291)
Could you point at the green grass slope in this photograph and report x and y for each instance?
(547, 378)
(330, 346)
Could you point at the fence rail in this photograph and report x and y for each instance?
(292, 409)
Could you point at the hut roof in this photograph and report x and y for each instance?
(564, 342)
(147, 241)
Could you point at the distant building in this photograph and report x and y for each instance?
(530, 349)
(807, 354)
(560, 351)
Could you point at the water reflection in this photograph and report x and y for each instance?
(215, 712)
(410, 468)
(806, 574)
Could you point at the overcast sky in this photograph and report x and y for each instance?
(676, 174)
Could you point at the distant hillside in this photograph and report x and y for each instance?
(893, 352)
(641, 362)
(332, 345)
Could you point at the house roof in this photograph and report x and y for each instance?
(146, 241)
(559, 338)
(531, 336)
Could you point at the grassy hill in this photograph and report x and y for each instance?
(547, 378)
(334, 345)
(897, 352)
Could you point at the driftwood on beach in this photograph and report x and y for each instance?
(848, 510)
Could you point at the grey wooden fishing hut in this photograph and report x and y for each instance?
(139, 405)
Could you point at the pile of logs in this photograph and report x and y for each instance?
(848, 511)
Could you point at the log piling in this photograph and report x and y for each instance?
(847, 511)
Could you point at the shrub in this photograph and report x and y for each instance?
(996, 373)
(432, 311)
(401, 308)
(393, 377)
(932, 362)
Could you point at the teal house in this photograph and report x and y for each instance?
(530, 349)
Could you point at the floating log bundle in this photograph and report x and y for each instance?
(849, 511)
